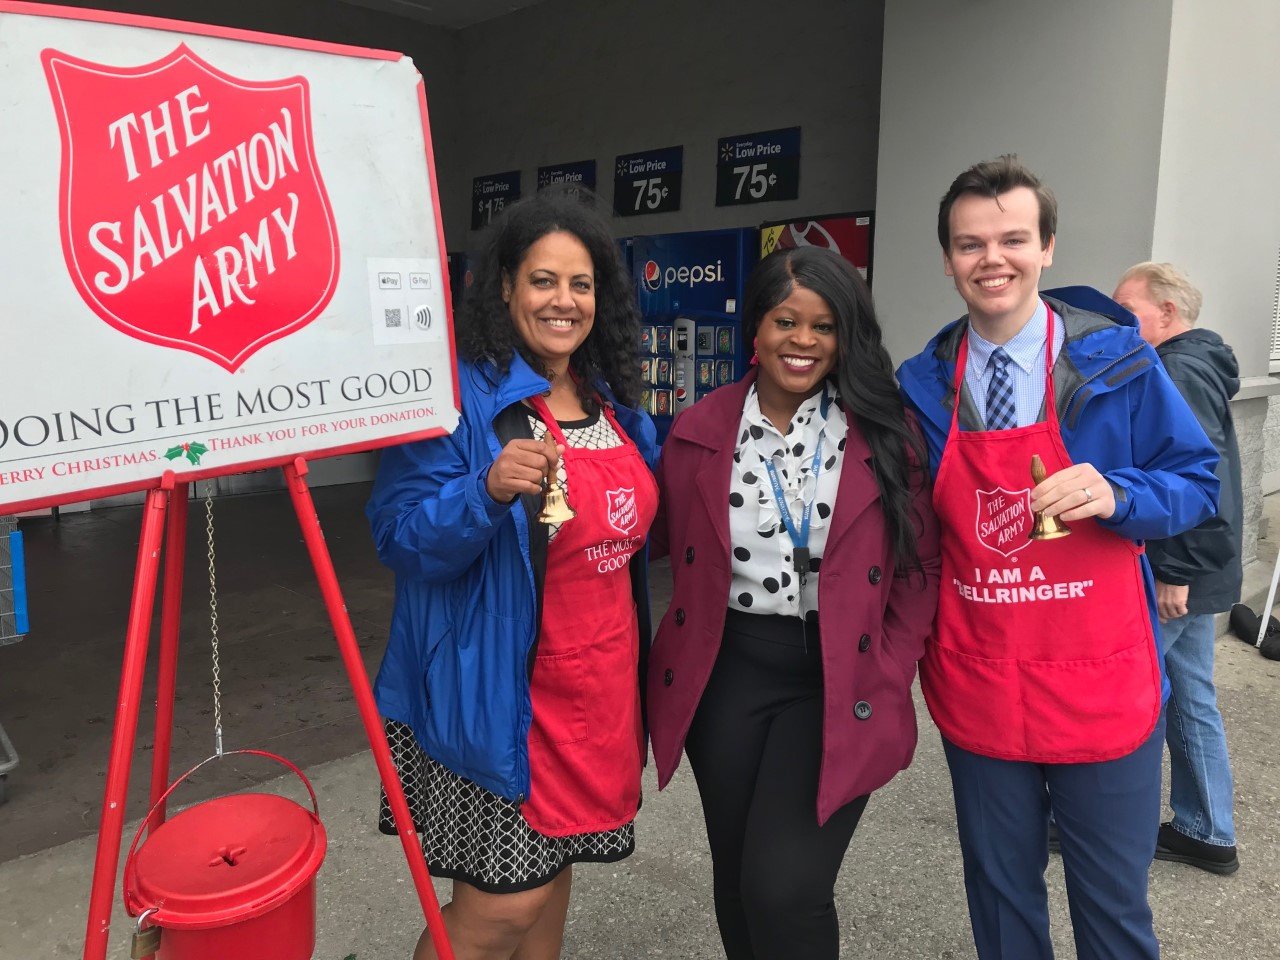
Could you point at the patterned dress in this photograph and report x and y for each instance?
(471, 834)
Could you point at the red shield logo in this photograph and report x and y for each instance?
(192, 211)
(1004, 519)
(623, 512)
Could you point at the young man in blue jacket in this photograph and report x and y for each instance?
(1043, 673)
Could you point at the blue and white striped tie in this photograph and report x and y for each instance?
(1001, 414)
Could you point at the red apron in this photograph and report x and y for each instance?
(1042, 650)
(586, 740)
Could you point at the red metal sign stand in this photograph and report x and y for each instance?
(169, 502)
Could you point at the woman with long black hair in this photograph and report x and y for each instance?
(804, 553)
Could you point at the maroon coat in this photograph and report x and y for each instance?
(873, 624)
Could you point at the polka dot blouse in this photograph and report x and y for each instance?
(764, 578)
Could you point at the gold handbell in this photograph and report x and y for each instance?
(1044, 528)
(555, 504)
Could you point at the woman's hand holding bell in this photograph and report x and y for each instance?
(521, 468)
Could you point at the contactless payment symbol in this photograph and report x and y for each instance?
(1003, 522)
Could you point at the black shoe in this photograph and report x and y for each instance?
(1244, 623)
(1055, 844)
(1179, 848)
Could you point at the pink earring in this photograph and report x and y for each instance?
(755, 353)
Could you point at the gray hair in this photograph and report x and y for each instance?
(1167, 282)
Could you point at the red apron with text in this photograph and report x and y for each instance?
(1042, 650)
(586, 739)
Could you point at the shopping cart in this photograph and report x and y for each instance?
(13, 621)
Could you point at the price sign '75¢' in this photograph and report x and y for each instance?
(648, 182)
(758, 167)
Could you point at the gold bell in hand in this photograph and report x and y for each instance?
(1044, 528)
(555, 505)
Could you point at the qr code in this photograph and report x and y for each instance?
(393, 317)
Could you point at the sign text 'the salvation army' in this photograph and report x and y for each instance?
(192, 207)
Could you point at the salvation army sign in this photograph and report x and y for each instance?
(182, 186)
(216, 256)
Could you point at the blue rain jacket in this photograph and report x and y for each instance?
(465, 621)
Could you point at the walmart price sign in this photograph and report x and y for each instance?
(758, 167)
(648, 182)
(491, 194)
(574, 177)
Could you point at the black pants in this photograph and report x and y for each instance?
(755, 747)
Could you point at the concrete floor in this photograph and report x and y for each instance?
(900, 894)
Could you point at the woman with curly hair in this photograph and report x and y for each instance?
(510, 684)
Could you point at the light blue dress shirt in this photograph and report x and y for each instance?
(1026, 369)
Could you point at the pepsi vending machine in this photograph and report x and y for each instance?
(690, 290)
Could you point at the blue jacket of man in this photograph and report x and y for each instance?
(468, 591)
(1117, 409)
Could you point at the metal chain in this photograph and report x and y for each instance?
(213, 625)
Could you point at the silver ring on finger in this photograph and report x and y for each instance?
(1088, 497)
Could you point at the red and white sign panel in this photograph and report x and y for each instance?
(221, 250)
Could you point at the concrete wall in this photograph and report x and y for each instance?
(1250, 418)
(1218, 201)
(575, 79)
(1271, 457)
(1076, 89)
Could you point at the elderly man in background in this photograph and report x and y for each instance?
(1197, 573)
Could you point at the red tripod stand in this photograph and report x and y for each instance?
(164, 517)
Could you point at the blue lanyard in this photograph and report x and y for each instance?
(800, 539)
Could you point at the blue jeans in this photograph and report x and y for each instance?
(1201, 787)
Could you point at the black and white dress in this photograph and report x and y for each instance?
(471, 834)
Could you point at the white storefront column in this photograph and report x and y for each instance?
(1218, 202)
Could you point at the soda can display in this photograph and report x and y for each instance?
(706, 374)
(724, 372)
(724, 341)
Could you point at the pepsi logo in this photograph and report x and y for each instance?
(655, 277)
(652, 275)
